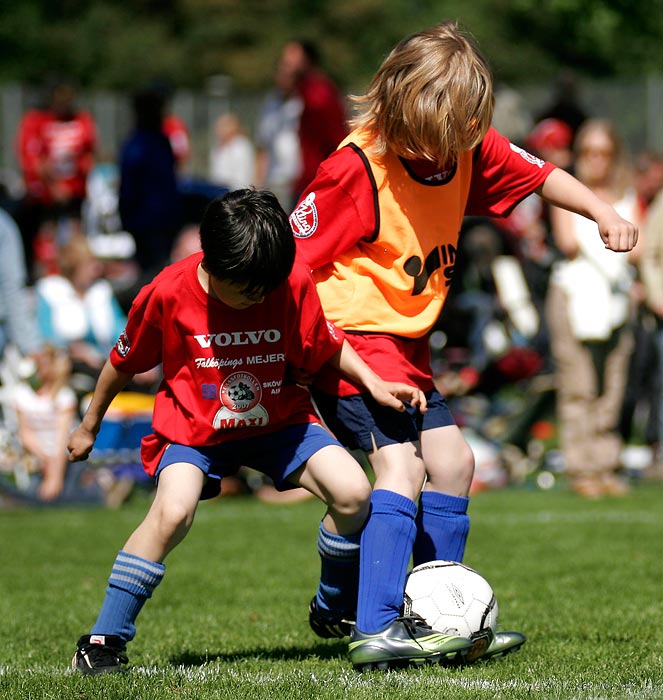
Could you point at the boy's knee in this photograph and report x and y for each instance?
(174, 518)
(353, 502)
(453, 474)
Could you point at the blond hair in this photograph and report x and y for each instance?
(73, 254)
(56, 364)
(431, 98)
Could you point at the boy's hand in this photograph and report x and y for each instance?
(617, 233)
(80, 444)
(298, 376)
(396, 394)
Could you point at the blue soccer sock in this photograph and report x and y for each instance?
(339, 573)
(442, 527)
(386, 545)
(131, 583)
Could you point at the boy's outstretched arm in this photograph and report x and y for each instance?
(563, 190)
(110, 383)
(391, 394)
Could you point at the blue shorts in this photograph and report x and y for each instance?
(358, 421)
(277, 455)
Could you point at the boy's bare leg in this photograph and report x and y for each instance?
(336, 478)
(171, 514)
(138, 569)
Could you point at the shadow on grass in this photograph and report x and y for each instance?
(320, 651)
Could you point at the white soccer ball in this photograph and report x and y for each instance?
(451, 597)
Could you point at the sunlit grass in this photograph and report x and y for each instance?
(582, 580)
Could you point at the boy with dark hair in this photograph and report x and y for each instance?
(226, 324)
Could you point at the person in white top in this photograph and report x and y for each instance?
(588, 311)
(45, 408)
(46, 411)
(233, 158)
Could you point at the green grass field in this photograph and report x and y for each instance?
(583, 580)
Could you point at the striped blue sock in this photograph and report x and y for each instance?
(386, 545)
(442, 527)
(131, 583)
(339, 573)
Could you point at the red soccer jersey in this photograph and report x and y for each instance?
(224, 370)
(52, 150)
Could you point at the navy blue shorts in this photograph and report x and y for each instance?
(277, 455)
(359, 420)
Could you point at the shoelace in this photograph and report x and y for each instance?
(412, 621)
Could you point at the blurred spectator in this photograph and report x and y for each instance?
(55, 147)
(149, 202)
(232, 158)
(46, 408)
(278, 158)
(511, 116)
(187, 243)
(528, 225)
(648, 168)
(18, 323)
(177, 132)
(322, 123)
(78, 312)
(589, 309)
(551, 139)
(565, 103)
(172, 125)
(651, 267)
(640, 406)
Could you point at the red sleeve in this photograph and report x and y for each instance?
(502, 175)
(178, 135)
(336, 210)
(29, 143)
(318, 338)
(139, 347)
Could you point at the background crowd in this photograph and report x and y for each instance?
(549, 349)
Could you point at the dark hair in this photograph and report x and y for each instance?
(311, 51)
(148, 106)
(246, 239)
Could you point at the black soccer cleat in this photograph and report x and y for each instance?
(98, 653)
(327, 624)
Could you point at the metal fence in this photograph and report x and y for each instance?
(636, 107)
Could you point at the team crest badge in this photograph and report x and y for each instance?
(240, 396)
(304, 220)
(527, 156)
(122, 346)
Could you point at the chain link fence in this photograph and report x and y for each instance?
(636, 107)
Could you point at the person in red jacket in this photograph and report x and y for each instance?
(56, 147)
(322, 121)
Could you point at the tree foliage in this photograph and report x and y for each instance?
(124, 43)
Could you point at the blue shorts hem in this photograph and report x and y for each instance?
(277, 455)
